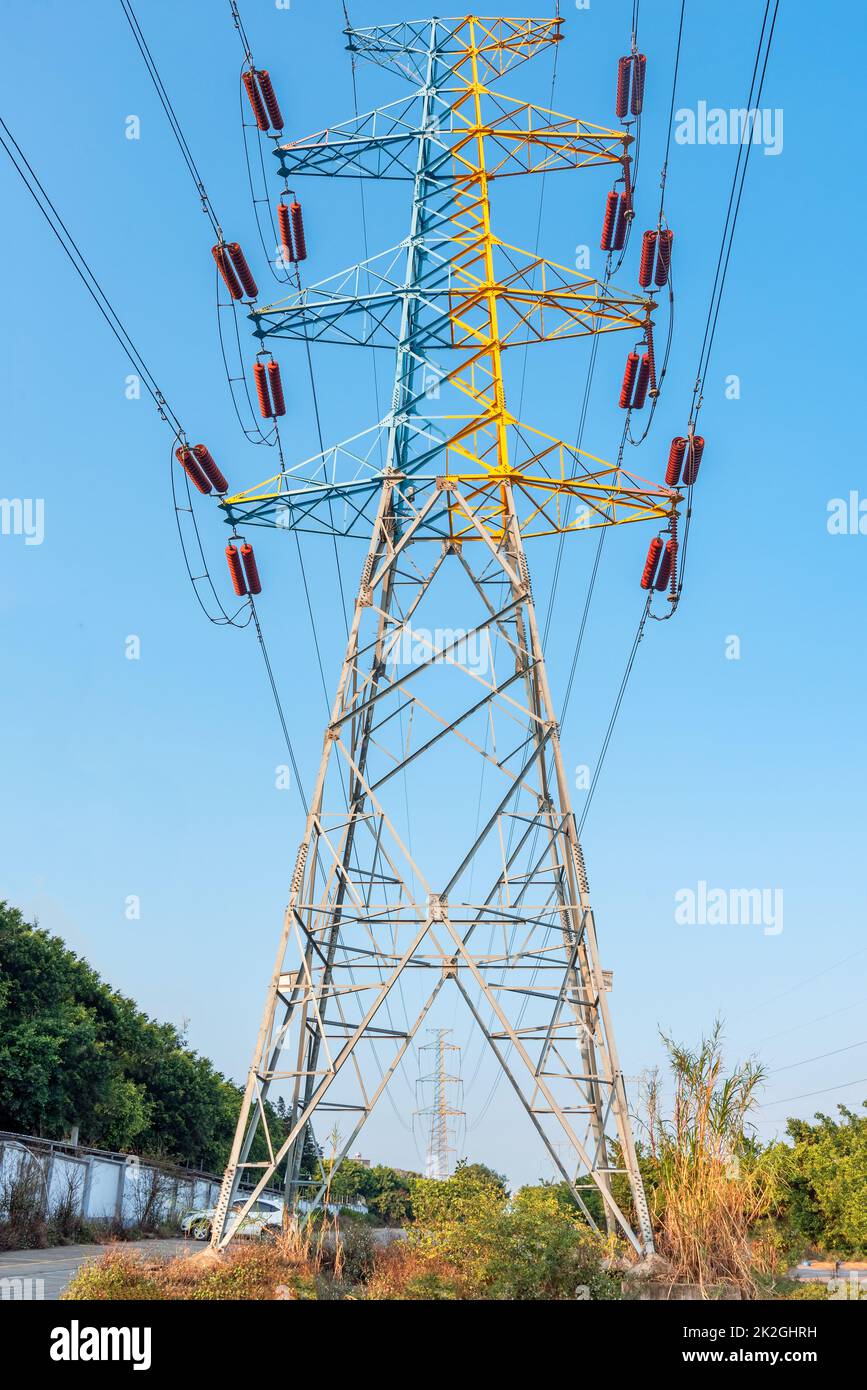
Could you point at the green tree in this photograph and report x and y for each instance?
(74, 1051)
(387, 1194)
(828, 1201)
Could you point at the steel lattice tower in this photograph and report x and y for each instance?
(442, 1117)
(445, 489)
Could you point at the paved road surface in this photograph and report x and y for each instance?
(820, 1271)
(55, 1267)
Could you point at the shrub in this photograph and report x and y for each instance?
(120, 1275)
(357, 1254)
(248, 1271)
(23, 1224)
(529, 1247)
(404, 1272)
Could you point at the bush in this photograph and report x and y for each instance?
(403, 1272)
(119, 1276)
(23, 1224)
(357, 1254)
(529, 1247)
(249, 1271)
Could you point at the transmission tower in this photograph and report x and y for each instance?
(441, 1118)
(480, 892)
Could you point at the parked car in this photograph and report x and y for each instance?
(264, 1217)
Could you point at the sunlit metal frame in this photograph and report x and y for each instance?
(355, 921)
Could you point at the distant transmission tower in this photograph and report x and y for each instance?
(442, 1119)
(411, 879)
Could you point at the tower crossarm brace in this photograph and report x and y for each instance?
(522, 138)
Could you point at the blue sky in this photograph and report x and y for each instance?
(156, 777)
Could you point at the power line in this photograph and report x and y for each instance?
(820, 1057)
(249, 433)
(196, 579)
(820, 1018)
(610, 270)
(242, 33)
(279, 704)
(245, 125)
(82, 268)
(808, 1095)
(732, 213)
(614, 713)
(206, 204)
(165, 101)
(808, 979)
(731, 218)
(664, 172)
(248, 55)
(31, 182)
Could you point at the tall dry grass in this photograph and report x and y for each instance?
(710, 1184)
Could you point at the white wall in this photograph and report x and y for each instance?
(106, 1186)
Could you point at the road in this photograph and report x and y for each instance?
(820, 1271)
(44, 1274)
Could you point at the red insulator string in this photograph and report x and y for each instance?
(227, 270)
(655, 265)
(261, 381)
(236, 571)
(299, 241)
(259, 195)
(285, 224)
(206, 463)
(675, 461)
(611, 267)
(654, 550)
(648, 254)
(275, 381)
(196, 475)
(251, 86)
(642, 381)
(609, 220)
(242, 269)
(275, 115)
(251, 570)
(621, 102)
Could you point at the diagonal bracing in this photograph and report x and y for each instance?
(404, 886)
